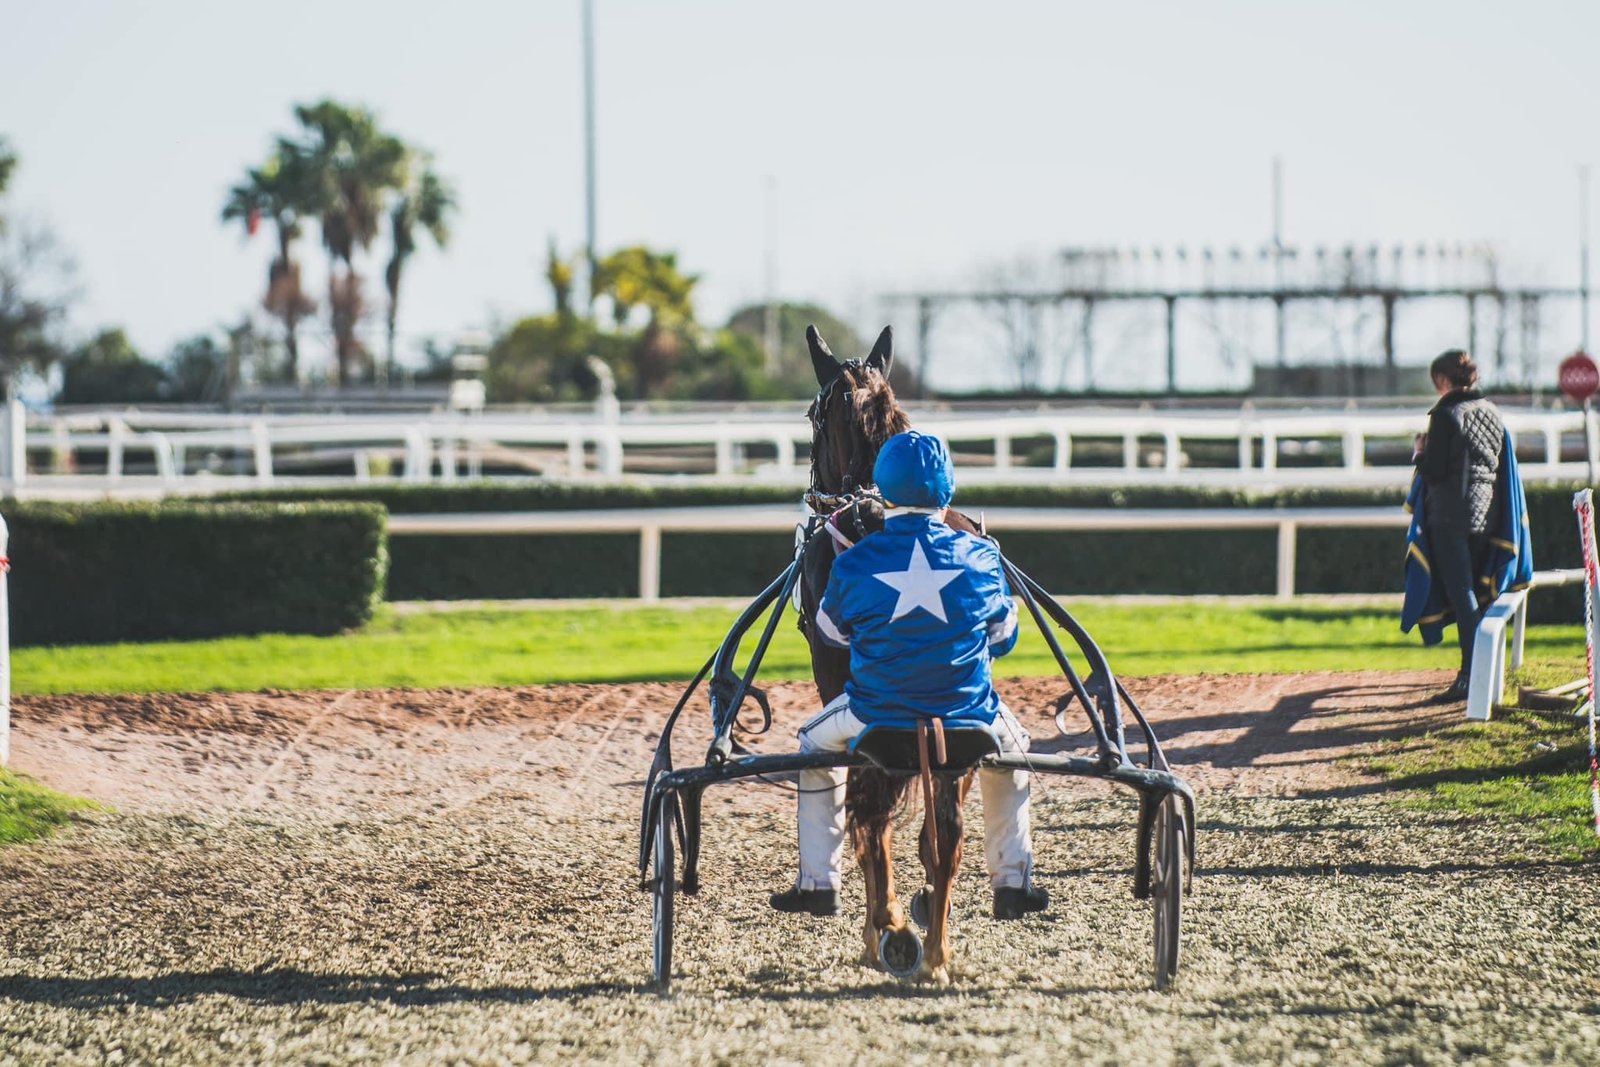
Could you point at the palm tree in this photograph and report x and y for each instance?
(280, 190)
(355, 165)
(637, 277)
(425, 202)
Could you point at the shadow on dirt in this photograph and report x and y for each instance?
(282, 986)
(289, 986)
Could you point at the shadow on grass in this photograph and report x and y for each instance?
(1548, 764)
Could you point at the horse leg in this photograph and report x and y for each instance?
(871, 805)
(871, 861)
(942, 866)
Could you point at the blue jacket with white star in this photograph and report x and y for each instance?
(923, 609)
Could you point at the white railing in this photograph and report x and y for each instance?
(1153, 447)
(651, 524)
(1486, 680)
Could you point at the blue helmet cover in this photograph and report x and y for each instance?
(914, 470)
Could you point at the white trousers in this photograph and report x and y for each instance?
(1007, 834)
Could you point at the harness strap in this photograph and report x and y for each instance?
(930, 818)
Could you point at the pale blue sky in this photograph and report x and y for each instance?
(912, 142)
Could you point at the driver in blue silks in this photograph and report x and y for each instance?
(923, 609)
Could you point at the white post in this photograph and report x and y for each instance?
(1063, 451)
(61, 448)
(650, 564)
(166, 465)
(5, 647)
(609, 444)
(118, 430)
(1519, 631)
(1130, 451)
(1174, 455)
(1287, 535)
(1355, 450)
(261, 448)
(447, 460)
(14, 448)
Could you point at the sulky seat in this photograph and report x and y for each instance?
(893, 749)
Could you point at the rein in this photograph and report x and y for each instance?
(817, 499)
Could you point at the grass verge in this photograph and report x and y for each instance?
(1522, 766)
(625, 642)
(28, 810)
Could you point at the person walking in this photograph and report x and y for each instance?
(1469, 527)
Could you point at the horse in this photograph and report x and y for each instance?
(854, 413)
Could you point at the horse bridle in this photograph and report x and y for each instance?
(824, 503)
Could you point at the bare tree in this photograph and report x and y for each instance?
(1015, 305)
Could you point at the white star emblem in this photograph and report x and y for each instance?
(918, 585)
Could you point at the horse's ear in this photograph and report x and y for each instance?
(822, 360)
(883, 352)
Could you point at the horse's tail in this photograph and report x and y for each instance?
(873, 800)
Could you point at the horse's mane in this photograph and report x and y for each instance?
(854, 414)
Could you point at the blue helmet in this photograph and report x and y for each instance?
(914, 470)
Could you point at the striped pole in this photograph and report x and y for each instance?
(1583, 504)
(5, 648)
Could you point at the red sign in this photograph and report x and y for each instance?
(1580, 377)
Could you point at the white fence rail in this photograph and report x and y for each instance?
(651, 524)
(1486, 680)
(1260, 448)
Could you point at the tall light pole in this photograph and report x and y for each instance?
(588, 153)
(770, 337)
(1583, 254)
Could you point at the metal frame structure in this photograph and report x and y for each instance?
(1277, 274)
(671, 812)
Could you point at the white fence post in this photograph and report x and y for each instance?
(118, 431)
(1288, 534)
(261, 449)
(14, 447)
(649, 563)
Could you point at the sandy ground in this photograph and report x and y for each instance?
(439, 876)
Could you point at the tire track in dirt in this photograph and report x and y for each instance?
(257, 790)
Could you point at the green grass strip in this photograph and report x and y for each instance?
(1526, 767)
(624, 642)
(29, 811)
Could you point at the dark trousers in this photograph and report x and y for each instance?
(1457, 560)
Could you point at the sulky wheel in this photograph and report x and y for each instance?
(661, 893)
(1166, 886)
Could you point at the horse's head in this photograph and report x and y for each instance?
(854, 413)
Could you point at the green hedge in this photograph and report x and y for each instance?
(1327, 561)
(139, 572)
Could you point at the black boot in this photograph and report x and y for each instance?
(1015, 901)
(797, 901)
(1457, 691)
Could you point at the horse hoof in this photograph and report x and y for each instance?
(901, 952)
(939, 976)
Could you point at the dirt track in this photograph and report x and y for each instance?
(434, 876)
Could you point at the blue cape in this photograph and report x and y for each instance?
(1509, 566)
